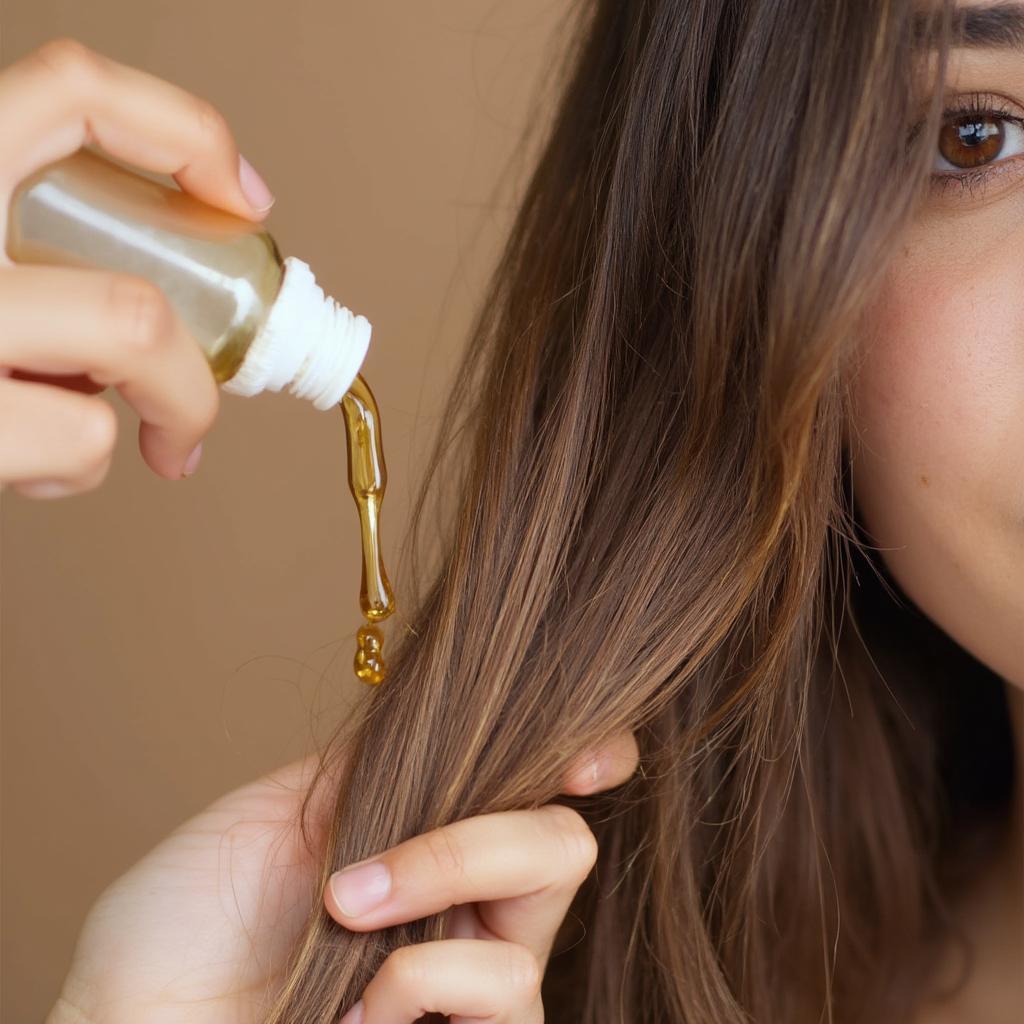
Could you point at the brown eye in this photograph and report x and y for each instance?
(973, 140)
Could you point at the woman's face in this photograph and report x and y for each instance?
(938, 438)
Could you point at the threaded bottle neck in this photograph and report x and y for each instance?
(309, 342)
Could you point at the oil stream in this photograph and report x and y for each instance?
(367, 479)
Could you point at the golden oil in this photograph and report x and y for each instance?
(367, 480)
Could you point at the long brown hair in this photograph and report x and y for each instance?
(645, 522)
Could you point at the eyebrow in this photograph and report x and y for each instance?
(997, 26)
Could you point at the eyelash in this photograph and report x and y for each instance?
(971, 182)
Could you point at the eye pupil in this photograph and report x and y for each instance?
(971, 141)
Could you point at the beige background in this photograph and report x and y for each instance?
(164, 642)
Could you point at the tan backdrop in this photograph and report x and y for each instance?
(164, 642)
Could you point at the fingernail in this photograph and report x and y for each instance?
(44, 489)
(359, 889)
(596, 767)
(354, 1016)
(254, 187)
(192, 462)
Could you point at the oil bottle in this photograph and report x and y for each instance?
(262, 321)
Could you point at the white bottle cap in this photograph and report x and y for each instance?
(308, 341)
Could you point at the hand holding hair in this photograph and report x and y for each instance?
(511, 877)
(200, 928)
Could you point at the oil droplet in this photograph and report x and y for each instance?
(369, 661)
(367, 480)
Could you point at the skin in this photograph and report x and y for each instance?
(938, 470)
(200, 929)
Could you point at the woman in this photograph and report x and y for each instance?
(739, 509)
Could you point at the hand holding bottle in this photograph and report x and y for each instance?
(66, 333)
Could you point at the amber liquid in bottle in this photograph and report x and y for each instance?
(367, 479)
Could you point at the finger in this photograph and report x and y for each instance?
(64, 95)
(468, 978)
(55, 436)
(530, 863)
(121, 331)
(606, 768)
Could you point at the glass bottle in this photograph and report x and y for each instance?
(262, 321)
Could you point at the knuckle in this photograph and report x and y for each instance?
(210, 122)
(70, 62)
(403, 970)
(142, 315)
(445, 853)
(578, 842)
(520, 971)
(96, 431)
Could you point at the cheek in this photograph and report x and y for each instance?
(937, 446)
(940, 397)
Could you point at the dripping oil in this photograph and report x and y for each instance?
(367, 480)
